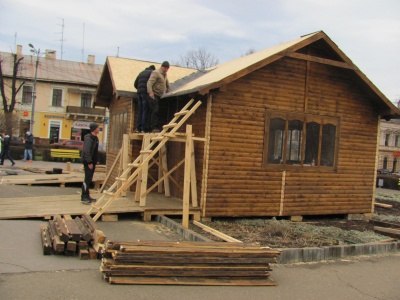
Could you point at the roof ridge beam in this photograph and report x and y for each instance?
(321, 60)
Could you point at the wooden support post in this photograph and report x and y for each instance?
(139, 177)
(125, 157)
(145, 171)
(282, 192)
(193, 183)
(164, 164)
(186, 181)
(68, 167)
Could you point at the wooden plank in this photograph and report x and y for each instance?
(217, 233)
(187, 177)
(46, 240)
(383, 205)
(85, 232)
(61, 228)
(116, 245)
(186, 271)
(58, 245)
(394, 233)
(198, 281)
(75, 233)
(384, 224)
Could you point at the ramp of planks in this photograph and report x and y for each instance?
(188, 263)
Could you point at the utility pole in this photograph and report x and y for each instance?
(37, 53)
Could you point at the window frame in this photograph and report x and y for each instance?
(86, 100)
(28, 93)
(325, 125)
(53, 97)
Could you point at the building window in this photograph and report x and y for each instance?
(86, 100)
(57, 97)
(27, 94)
(385, 163)
(300, 140)
(387, 137)
(397, 140)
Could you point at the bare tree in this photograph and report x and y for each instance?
(198, 59)
(9, 102)
(250, 51)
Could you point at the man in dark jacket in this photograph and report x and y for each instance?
(143, 106)
(6, 150)
(89, 159)
(28, 146)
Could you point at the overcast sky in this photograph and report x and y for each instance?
(367, 31)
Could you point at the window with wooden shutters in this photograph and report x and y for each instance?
(300, 140)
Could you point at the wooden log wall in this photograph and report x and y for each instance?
(237, 183)
(116, 107)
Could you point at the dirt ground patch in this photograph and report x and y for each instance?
(314, 231)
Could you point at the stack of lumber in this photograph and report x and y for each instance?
(67, 236)
(187, 263)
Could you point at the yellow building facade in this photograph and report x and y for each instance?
(64, 104)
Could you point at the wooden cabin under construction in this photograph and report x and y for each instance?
(288, 131)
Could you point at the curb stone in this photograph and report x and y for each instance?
(296, 255)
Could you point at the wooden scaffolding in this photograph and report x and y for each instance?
(137, 171)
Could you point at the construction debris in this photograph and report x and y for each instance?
(64, 235)
(188, 263)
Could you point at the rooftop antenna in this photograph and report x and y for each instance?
(15, 42)
(83, 42)
(62, 38)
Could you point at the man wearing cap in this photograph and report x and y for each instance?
(89, 160)
(156, 86)
(143, 108)
(28, 146)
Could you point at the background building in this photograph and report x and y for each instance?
(64, 104)
(389, 145)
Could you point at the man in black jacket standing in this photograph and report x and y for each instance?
(143, 105)
(6, 150)
(89, 160)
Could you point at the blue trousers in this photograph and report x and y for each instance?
(28, 154)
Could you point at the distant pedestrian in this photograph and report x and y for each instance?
(6, 150)
(156, 86)
(143, 106)
(28, 146)
(89, 160)
(1, 141)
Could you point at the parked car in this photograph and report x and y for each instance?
(73, 144)
(17, 140)
(384, 171)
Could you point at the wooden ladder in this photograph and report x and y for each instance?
(144, 157)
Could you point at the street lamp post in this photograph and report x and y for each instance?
(37, 53)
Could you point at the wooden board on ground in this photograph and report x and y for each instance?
(49, 178)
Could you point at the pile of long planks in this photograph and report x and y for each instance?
(188, 263)
(70, 237)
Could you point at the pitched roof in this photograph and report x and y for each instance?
(54, 70)
(225, 73)
(122, 73)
